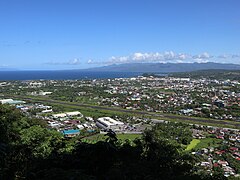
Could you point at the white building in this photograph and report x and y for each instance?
(74, 113)
(109, 123)
(11, 101)
(61, 115)
(35, 84)
(5, 101)
(42, 93)
(47, 111)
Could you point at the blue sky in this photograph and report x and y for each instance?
(75, 34)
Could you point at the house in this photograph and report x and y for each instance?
(186, 111)
(219, 103)
(233, 149)
(47, 111)
(42, 93)
(89, 119)
(54, 124)
(205, 164)
(223, 163)
(219, 152)
(79, 126)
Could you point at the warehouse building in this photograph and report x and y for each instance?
(109, 123)
(11, 101)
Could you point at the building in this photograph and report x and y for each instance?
(11, 101)
(61, 115)
(109, 123)
(70, 132)
(5, 101)
(74, 113)
(47, 111)
(42, 93)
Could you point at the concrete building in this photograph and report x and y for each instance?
(74, 113)
(61, 115)
(109, 123)
(47, 111)
(11, 101)
(42, 93)
(5, 101)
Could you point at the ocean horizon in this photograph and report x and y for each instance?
(63, 75)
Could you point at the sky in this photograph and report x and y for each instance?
(78, 34)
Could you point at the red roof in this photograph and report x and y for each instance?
(237, 154)
(233, 148)
(220, 137)
(218, 152)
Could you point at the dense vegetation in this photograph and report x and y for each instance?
(28, 150)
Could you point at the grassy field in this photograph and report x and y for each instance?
(207, 142)
(193, 144)
(101, 137)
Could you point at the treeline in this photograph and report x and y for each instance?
(29, 150)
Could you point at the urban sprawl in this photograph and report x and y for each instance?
(131, 105)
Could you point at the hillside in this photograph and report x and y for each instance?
(164, 67)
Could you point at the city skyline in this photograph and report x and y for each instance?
(78, 35)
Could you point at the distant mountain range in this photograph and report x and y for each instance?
(164, 67)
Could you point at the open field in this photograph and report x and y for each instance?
(193, 144)
(102, 137)
(207, 142)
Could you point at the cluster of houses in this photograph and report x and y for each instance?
(222, 155)
(191, 97)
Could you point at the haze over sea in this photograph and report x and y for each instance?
(62, 75)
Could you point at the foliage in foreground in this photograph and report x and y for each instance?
(28, 150)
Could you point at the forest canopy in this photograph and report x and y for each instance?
(29, 150)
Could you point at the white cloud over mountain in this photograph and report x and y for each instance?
(158, 57)
(165, 57)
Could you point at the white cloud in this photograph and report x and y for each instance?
(223, 56)
(75, 61)
(182, 56)
(168, 56)
(90, 61)
(204, 55)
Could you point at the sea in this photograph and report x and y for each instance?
(63, 75)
